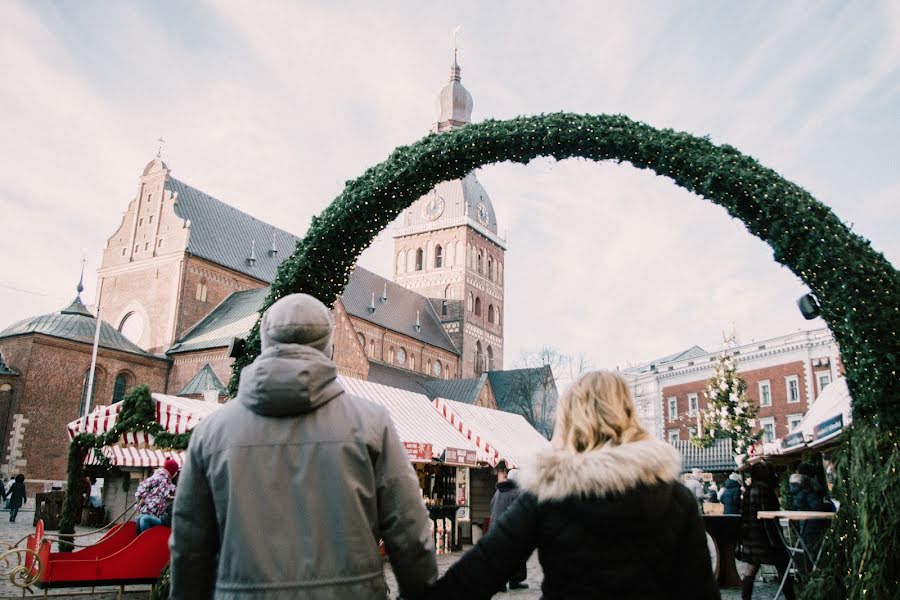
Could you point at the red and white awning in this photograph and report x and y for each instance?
(175, 414)
(417, 424)
(135, 448)
(132, 456)
(499, 434)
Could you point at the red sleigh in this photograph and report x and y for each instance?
(119, 558)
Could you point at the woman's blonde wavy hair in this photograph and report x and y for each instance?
(597, 409)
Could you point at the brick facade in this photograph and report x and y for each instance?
(384, 345)
(809, 359)
(48, 395)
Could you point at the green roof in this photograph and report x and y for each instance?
(203, 381)
(77, 324)
(4, 370)
(503, 383)
(461, 390)
(234, 317)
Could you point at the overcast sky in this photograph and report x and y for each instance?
(272, 106)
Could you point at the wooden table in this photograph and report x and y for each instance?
(725, 531)
(799, 547)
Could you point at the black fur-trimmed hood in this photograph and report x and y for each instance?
(555, 474)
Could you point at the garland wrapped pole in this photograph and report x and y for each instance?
(857, 287)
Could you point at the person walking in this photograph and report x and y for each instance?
(760, 542)
(287, 489)
(17, 497)
(730, 496)
(155, 496)
(603, 506)
(695, 484)
(506, 494)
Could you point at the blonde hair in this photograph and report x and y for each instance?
(597, 409)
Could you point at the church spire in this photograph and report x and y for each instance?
(454, 103)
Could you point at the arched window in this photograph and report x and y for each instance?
(477, 307)
(428, 367)
(490, 358)
(401, 261)
(123, 382)
(471, 304)
(132, 327)
(478, 262)
(391, 355)
(372, 348)
(490, 272)
(362, 341)
(490, 313)
(498, 317)
(412, 362)
(479, 358)
(98, 376)
(201, 290)
(444, 308)
(448, 292)
(499, 272)
(420, 259)
(438, 257)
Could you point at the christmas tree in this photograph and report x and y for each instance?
(728, 413)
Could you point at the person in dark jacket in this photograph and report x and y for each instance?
(731, 496)
(604, 508)
(808, 494)
(506, 494)
(287, 488)
(760, 541)
(17, 497)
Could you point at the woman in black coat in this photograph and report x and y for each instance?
(603, 507)
(17, 497)
(760, 542)
(809, 495)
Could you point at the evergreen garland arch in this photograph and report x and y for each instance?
(857, 287)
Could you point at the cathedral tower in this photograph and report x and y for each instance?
(447, 249)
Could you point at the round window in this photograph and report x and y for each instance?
(436, 368)
(400, 357)
(132, 327)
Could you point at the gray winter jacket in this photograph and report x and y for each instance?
(286, 490)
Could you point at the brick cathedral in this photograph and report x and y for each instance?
(185, 274)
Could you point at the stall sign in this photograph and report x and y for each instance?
(794, 439)
(418, 451)
(460, 456)
(826, 428)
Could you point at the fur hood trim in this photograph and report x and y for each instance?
(556, 474)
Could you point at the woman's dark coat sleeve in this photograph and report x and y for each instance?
(694, 576)
(489, 564)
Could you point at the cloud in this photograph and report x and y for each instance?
(273, 106)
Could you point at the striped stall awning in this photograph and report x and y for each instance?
(499, 434)
(133, 456)
(413, 417)
(175, 414)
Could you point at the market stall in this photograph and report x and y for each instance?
(135, 456)
(498, 434)
(443, 458)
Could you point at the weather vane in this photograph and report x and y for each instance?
(159, 148)
(455, 36)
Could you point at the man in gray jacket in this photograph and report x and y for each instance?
(287, 489)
